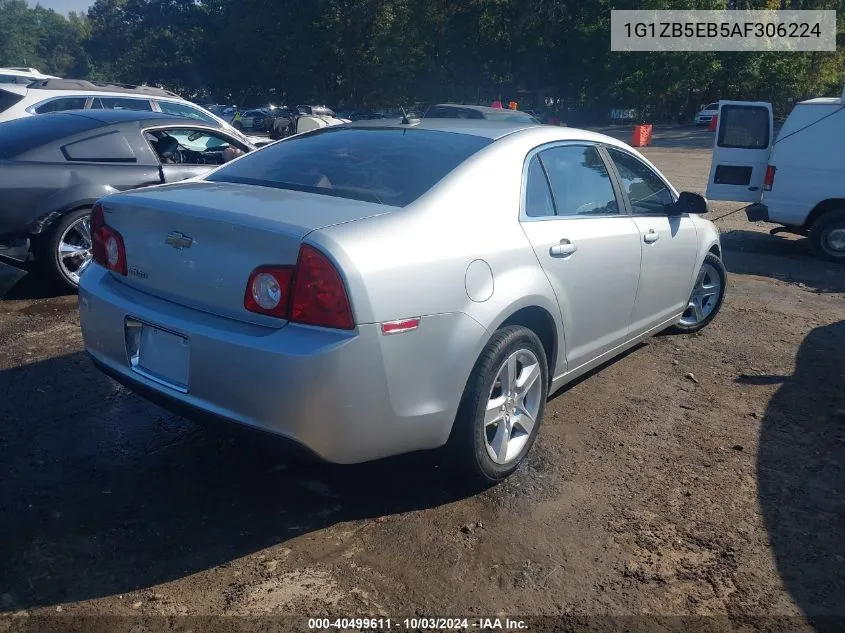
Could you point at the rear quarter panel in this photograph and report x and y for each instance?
(32, 194)
(41, 184)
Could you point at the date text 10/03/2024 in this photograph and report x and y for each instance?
(417, 624)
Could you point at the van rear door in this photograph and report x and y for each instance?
(744, 138)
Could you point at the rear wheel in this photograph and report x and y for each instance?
(706, 297)
(828, 236)
(65, 252)
(502, 406)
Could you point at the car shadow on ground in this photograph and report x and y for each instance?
(801, 476)
(103, 498)
(786, 258)
(22, 284)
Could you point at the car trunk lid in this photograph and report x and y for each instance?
(196, 243)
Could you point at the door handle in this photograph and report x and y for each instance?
(564, 249)
(651, 237)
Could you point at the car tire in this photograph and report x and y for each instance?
(823, 230)
(65, 230)
(475, 436)
(710, 267)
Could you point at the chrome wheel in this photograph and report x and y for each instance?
(513, 406)
(73, 253)
(705, 296)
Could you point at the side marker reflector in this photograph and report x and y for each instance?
(397, 327)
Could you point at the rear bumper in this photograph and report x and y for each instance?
(346, 396)
(757, 212)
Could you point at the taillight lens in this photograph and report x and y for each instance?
(769, 180)
(106, 243)
(268, 291)
(312, 293)
(319, 296)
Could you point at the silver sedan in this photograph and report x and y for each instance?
(384, 287)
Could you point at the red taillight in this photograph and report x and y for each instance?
(106, 243)
(312, 293)
(268, 290)
(769, 180)
(319, 296)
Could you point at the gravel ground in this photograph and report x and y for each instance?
(696, 475)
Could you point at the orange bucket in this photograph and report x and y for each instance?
(641, 136)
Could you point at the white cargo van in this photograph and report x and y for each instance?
(796, 180)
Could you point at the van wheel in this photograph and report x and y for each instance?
(502, 406)
(827, 236)
(706, 298)
(65, 252)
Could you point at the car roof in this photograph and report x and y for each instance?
(822, 101)
(20, 72)
(492, 130)
(477, 108)
(474, 127)
(82, 85)
(108, 117)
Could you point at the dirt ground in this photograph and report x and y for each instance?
(696, 475)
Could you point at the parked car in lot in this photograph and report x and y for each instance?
(706, 114)
(54, 167)
(304, 119)
(796, 179)
(455, 111)
(256, 120)
(58, 95)
(21, 76)
(376, 288)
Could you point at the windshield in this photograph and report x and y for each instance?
(386, 165)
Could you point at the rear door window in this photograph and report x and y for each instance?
(388, 166)
(646, 191)
(121, 103)
(743, 127)
(538, 196)
(61, 104)
(580, 181)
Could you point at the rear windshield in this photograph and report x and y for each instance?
(385, 165)
(21, 135)
(8, 99)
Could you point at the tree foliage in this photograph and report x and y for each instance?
(385, 52)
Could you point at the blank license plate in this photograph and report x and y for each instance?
(163, 356)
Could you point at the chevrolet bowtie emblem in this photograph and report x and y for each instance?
(178, 240)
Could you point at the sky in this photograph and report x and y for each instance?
(63, 6)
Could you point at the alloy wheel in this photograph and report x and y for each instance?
(705, 296)
(513, 406)
(74, 249)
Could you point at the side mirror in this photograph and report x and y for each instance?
(689, 202)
